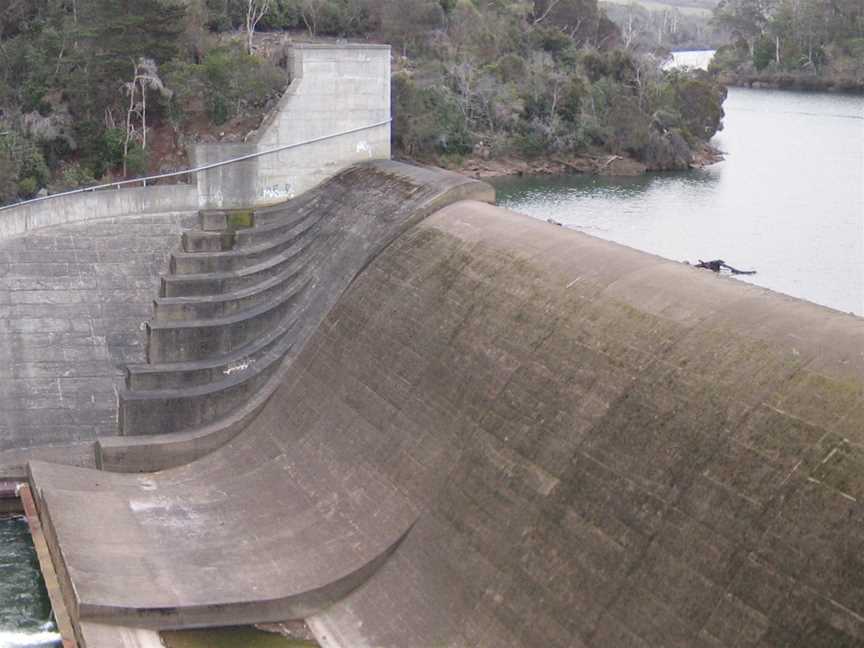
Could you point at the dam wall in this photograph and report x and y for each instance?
(506, 433)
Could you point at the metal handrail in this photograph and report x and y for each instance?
(205, 167)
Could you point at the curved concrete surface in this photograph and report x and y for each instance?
(601, 449)
(247, 308)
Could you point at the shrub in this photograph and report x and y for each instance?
(763, 53)
(32, 166)
(136, 160)
(75, 176)
(113, 140)
(699, 101)
(234, 81)
(8, 174)
(428, 120)
(28, 187)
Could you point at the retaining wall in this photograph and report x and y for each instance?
(334, 88)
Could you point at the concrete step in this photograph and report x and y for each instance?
(220, 337)
(214, 283)
(202, 307)
(203, 262)
(174, 410)
(181, 375)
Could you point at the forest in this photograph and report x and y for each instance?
(95, 90)
(811, 44)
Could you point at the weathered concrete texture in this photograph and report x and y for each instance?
(334, 88)
(226, 186)
(72, 301)
(97, 205)
(231, 320)
(604, 450)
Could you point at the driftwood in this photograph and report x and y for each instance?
(611, 159)
(718, 264)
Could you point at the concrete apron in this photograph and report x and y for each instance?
(73, 635)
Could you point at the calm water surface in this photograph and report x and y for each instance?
(788, 201)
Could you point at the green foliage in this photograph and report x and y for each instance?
(8, 178)
(234, 81)
(693, 102)
(136, 160)
(27, 187)
(120, 31)
(428, 120)
(32, 166)
(93, 155)
(763, 53)
(795, 36)
(572, 97)
(227, 83)
(113, 141)
(75, 176)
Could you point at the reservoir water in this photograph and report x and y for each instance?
(788, 201)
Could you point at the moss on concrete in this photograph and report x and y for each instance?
(240, 219)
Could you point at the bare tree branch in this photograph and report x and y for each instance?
(255, 11)
(552, 4)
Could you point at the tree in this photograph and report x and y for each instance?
(743, 18)
(146, 77)
(255, 11)
(120, 31)
(8, 177)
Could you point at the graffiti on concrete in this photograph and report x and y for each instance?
(363, 147)
(277, 192)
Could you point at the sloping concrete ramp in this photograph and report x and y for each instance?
(563, 443)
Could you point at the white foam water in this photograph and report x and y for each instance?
(43, 639)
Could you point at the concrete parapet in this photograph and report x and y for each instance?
(97, 205)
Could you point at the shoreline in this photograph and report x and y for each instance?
(792, 82)
(607, 165)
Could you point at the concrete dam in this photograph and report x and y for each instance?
(413, 419)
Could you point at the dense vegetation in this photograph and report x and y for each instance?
(796, 43)
(89, 88)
